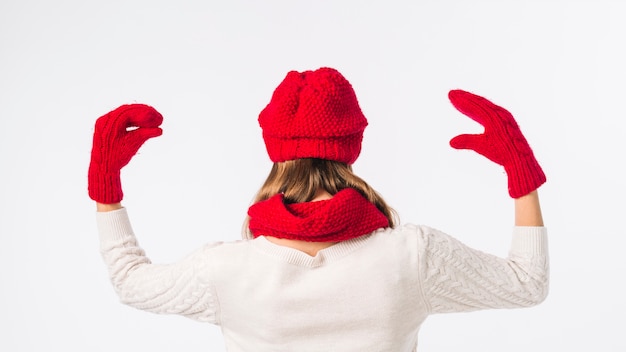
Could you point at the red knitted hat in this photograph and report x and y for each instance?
(313, 114)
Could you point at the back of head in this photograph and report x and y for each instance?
(313, 128)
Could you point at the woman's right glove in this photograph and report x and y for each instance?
(116, 139)
(502, 142)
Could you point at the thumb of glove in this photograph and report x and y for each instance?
(478, 143)
(467, 141)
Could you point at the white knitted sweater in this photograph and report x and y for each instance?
(367, 294)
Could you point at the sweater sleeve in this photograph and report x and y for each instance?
(457, 278)
(182, 288)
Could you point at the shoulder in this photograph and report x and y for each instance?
(413, 239)
(406, 238)
(409, 232)
(224, 248)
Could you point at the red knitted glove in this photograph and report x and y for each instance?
(502, 142)
(114, 145)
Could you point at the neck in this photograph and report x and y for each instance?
(310, 248)
(321, 194)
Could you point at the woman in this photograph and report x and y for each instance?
(324, 266)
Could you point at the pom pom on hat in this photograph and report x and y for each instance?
(313, 114)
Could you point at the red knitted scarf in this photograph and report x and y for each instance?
(345, 216)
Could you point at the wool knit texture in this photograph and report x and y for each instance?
(313, 114)
(114, 145)
(345, 216)
(502, 142)
(371, 293)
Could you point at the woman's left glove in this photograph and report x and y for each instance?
(116, 139)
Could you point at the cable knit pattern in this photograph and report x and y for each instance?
(458, 278)
(370, 293)
(180, 288)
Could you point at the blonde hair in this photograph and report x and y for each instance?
(299, 180)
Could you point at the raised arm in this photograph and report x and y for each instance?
(459, 278)
(178, 288)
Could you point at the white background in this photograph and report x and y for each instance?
(210, 67)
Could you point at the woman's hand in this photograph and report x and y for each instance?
(502, 142)
(117, 138)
